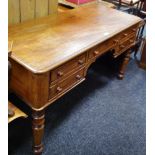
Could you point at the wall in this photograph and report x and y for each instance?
(22, 10)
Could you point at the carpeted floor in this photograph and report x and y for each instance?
(102, 116)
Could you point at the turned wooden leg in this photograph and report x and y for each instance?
(123, 65)
(38, 130)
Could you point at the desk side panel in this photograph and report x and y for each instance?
(31, 88)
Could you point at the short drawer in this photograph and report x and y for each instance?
(66, 84)
(126, 34)
(65, 69)
(124, 46)
(100, 49)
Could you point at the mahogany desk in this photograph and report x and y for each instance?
(51, 55)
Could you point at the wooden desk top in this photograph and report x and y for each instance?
(42, 44)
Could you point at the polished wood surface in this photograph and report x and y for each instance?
(125, 61)
(32, 39)
(35, 82)
(51, 55)
(38, 130)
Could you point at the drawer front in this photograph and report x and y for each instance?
(66, 84)
(100, 49)
(124, 46)
(65, 69)
(126, 34)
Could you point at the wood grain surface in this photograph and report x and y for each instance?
(42, 44)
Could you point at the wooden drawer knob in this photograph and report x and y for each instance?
(125, 34)
(116, 41)
(80, 62)
(96, 53)
(60, 73)
(134, 30)
(78, 77)
(131, 41)
(122, 46)
(59, 89)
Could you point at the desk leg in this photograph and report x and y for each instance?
(123, 65)
(38, 130)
